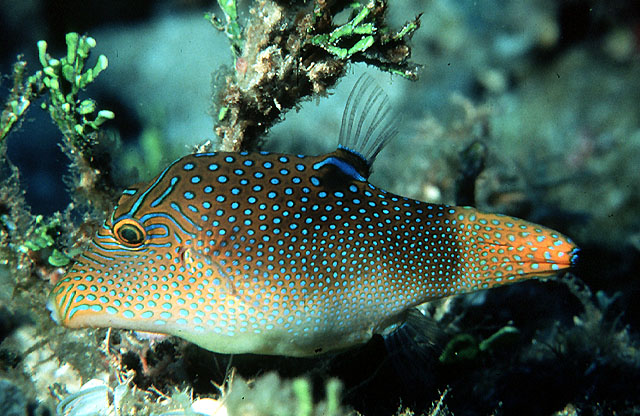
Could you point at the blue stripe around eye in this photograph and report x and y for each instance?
(166, 192)
(141, 198)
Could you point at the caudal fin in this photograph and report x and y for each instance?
(497, 249)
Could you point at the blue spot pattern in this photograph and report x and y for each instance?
(247, 247)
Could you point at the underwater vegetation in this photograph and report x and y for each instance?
(529, 110)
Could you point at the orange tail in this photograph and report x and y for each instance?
(498, 249)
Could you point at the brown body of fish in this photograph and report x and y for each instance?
(283, 254)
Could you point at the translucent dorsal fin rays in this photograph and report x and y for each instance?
(378, 117)
(366, 110)
(368, 122)
(348, 116)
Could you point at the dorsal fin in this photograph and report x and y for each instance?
(368, 122)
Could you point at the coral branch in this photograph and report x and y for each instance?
(288, 54)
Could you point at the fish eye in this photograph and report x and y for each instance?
(129, 232)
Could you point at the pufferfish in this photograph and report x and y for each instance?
(267, 253)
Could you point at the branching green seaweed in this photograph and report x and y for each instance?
(74, 118)
(465, 347)
(43, 238)
(363, 32)
(231, 26)
(359, 27)
(61, 80)
(59, 83)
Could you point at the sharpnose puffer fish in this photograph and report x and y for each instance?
(288, 254)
